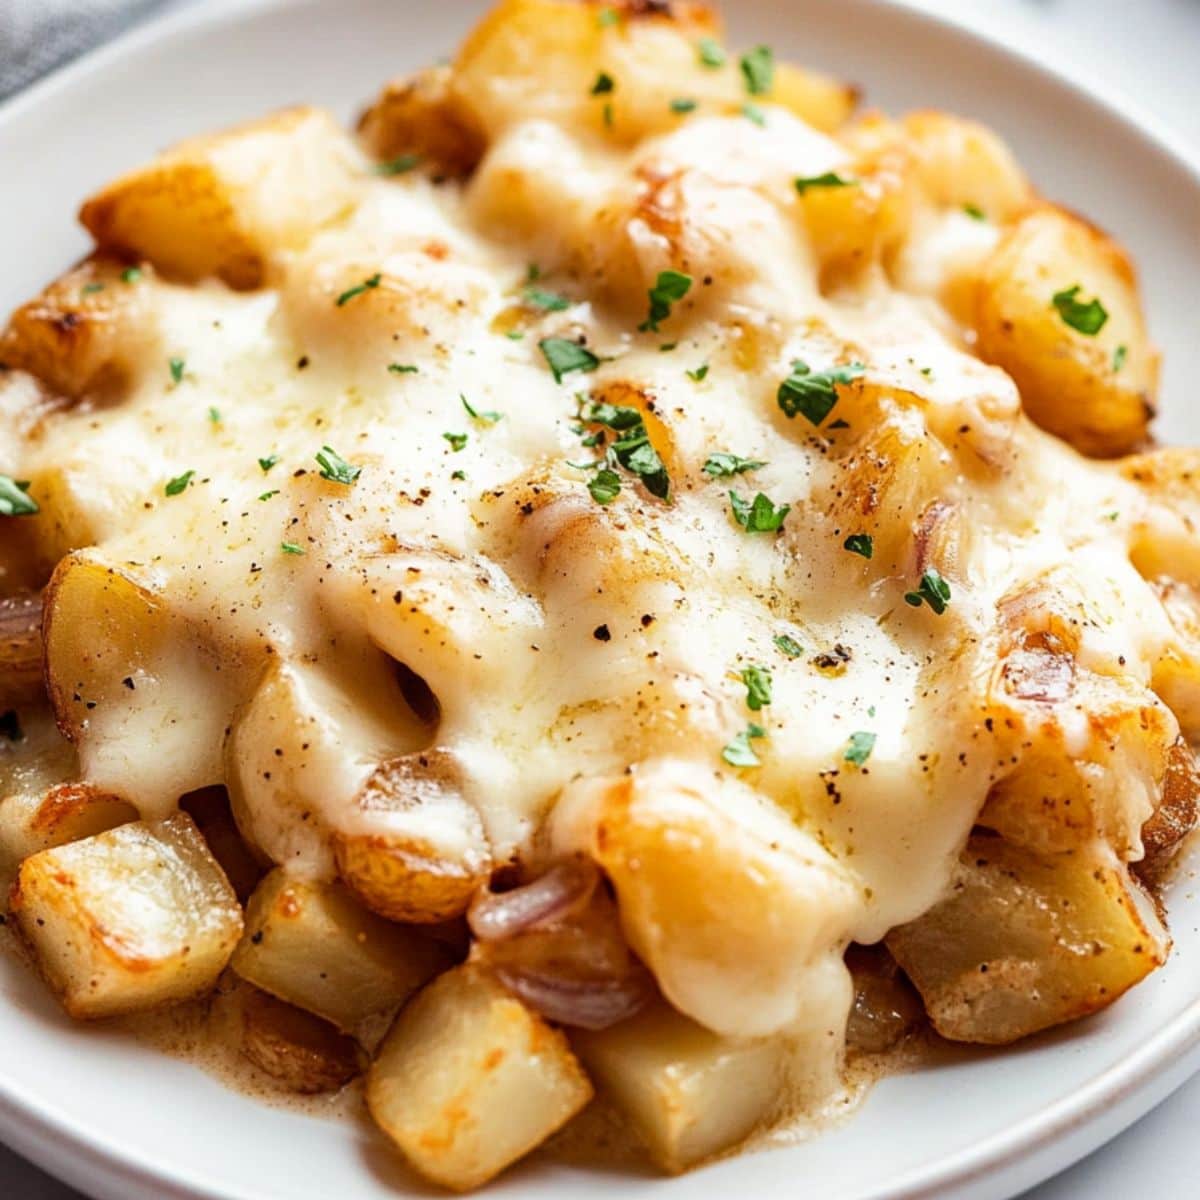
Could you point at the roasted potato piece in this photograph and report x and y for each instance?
(1025, 941)
(1058, 309)
(130, 919)
(469, 1080)
(1174, 819)
(87, 332)
(824, 103)
(312, 945)
(299, 1051)
(226, 204)
(434, 855)
(20, 649)
(1176, 674)
(688, 1093)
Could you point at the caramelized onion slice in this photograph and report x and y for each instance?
(563, 891)
(584, 1003)
(20, 648)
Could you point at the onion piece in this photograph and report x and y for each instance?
(562, 891)
(20, 648)
(585, 1003)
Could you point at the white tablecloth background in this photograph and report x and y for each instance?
(1150, 51)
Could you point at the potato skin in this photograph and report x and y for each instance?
(1096, 392)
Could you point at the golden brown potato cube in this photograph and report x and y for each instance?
(312, 945)
(434, 855)
(422, 116)
(1025, 941)
(301, 1052)
(130, 919)
(688, 1093)
(469, 1080)
(822, 102)
(85, 334)
(227, 203)
(20, 649)
(1058, 309)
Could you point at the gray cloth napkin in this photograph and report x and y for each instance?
(37, 35)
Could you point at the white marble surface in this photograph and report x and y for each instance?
(1149, 51)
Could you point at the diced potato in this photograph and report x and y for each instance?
(469, 1080)
(130, 919)
(1176, 673)
(1175, 817)
(688, 1093)
(1024, 941)
(312, 945)
(20, 649)
(87, 332)
(299, 1051)
(209, 808)
(824, 103)
(228, 203)
(1164, 546)
(1095, 390)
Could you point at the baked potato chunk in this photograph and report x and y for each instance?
(688, 1093)
(1058, 308)
(469, 1080)
(226, 204)
(312, 945)
(1024, 941)
(130, 919)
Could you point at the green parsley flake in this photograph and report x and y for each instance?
(485, 417)
(515, 335)
(564, 357)
(291, 548)
(178, 484)
(859, 748)
(89, 289)
(758, 70)
(458, 474)
(268, 462)
(14, 498)
(458, 441)
(1087, 318)
(739, 752)
(1120, 354)
(604, 84)
(615, 416)
(814, 393)
(788, 645)
(633, 450)
(719, 464)
(670, 287)
(608, 17)
(398, 166)
(974, 212)
(358, 289)
(831, 179)
(403, 369)
(605, 486)
(711, 53)
(759, 515)
(335, 468)
(608, 115)
(177, 366)
(698, 375)
(860, 543)
(758, 687)
(753, 113)
(268, 495)
(131, 275)
(681, 105)
(1112, 516)
(214, 415)
(932, 590)
(549, 301)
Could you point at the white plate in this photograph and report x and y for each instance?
(123, 1123)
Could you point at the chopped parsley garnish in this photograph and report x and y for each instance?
(788, 645)
(177, 366)
(605, 486)
(932, 590)
(214, 414)
(485, 416)
(403, 369)
(1087, 318)
(291, 548)
(739, 752)
(604, 84)
(711, 53)
(131, 274)
(335, 468)
(753, 113)
(681, 105)
(268, 462)
(758, 687)
(564, 357)
(358, 289)
(670, 287)
(699, 374)
(759, 515)
(458, 474)
(860, 543)
(859, 748)
(268, 495)
(632, 450)
(515, 335)
(667, 347)
(814, 393)
(532, 273)
(458, 441)
(719, 464)
(1111, 516)
(758, 70)
(974, 212)
(831, 179)
(608, 17)
(398, 166)
(14, 498)
(1120, 354)
(178, 484)
(549, 301)
(615, 416)
(89, 289)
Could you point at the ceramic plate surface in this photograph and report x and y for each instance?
(122, 1122)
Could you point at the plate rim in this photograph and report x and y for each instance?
(31, 1126)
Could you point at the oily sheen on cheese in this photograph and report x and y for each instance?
(587, 658)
